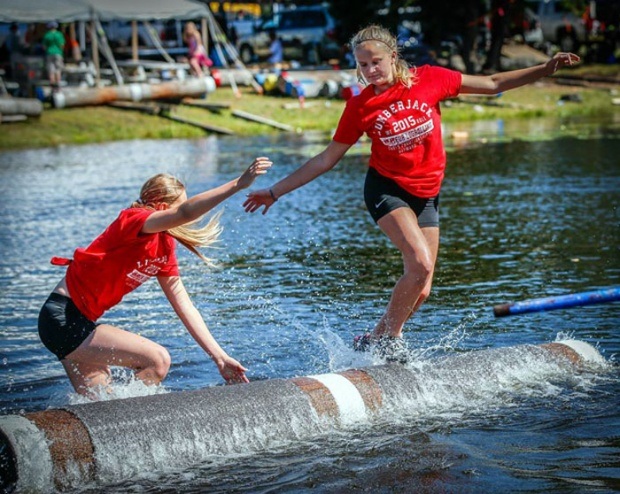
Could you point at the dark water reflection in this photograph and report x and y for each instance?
(520, 219)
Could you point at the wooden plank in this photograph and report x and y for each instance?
(12, 118)
(265, 121)
(208, 128)
(211, 106)
(141, 107)
(164, 112)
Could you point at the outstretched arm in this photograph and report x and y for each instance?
(314, 167)
(503, 81)
(196, 206)
(231, 370)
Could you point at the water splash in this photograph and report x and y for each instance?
(124, 385)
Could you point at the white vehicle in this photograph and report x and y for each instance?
(307, 34)
(550, 22)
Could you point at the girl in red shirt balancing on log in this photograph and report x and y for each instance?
(399, 111)
(137, 245)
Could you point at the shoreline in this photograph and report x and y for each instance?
(564, 96)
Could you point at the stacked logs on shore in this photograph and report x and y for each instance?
(14, 110)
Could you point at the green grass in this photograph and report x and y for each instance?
(101, 123)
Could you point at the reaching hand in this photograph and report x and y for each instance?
(232, 371)
(562, 59)
(259, 198)
(258, 167)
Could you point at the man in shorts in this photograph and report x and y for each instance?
(54, 44)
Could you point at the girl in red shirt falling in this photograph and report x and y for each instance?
(399, 111)
(137, 245)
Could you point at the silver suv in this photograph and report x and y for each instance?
(551, 22)
(308, 34)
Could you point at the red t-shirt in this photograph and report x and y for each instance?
(404, 125)
(119, 261)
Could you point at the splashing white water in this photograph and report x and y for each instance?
(124, 385)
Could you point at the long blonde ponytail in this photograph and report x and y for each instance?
(165, 188)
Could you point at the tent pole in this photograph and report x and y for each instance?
(134, 40)
(95, 48)
(203, 30)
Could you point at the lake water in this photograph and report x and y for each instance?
(521, 218)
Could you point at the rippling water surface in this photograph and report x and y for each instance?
(520, 219)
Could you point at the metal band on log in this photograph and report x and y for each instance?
(112, 440)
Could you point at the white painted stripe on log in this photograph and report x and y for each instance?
(348, 398)
(135, 90)
(586, 351)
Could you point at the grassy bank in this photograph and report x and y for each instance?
(99, 124)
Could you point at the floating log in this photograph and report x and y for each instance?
(108, 441)
(262, 120)
(69, 97)
(30, 107)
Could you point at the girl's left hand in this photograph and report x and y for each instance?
(258, 167)
(232, 371)
(562, 59)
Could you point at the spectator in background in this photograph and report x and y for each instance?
(275, 48)
(14, 47)
(72, 47)
(54, 45)
(198, 60)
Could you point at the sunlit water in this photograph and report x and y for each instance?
(520, 219)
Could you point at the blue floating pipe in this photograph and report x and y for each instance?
(559, 302)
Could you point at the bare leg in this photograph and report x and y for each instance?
(196, 68)
(419, 250)
(88, 365)
(432, 238)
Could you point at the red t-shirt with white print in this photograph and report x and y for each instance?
(404, 125)
(119, 261)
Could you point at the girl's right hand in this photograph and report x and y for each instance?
(232, 371)
(258, 167)
(257, 199)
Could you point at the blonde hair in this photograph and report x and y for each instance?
(384, 38)
(190, 27)
(166, 189)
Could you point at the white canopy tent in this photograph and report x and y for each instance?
(82, 10)
(97, 11)
(43, 11)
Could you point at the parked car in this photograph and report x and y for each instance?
(308, 34)
(550, 22)
(242, 25)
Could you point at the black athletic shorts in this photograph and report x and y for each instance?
(383, 195)
(62, 327)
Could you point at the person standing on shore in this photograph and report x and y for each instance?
(54, 46)
(399, 111)
(138, 245)
(276, 52)
(199, 61)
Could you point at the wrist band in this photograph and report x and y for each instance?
(273, 196)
